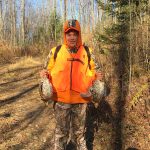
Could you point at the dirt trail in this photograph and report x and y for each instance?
(25, 122)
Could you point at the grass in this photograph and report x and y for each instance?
(24, 62)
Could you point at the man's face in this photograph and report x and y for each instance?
(72, 38)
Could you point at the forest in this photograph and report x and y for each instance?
(118, 31)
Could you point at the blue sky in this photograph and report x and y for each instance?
(35, 1)
(71, 14)
(39, 3)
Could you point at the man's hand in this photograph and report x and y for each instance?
(44, 73)
(86, 95)
(99, 75)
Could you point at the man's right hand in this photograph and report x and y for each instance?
(44, 73)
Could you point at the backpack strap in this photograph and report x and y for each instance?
(88, 55)
(56, 51)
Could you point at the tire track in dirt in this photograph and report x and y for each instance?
(12, 88)
(21, 78)
(17, 88)
(4, 71)
(16, 97)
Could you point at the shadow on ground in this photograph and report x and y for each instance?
(95, 116)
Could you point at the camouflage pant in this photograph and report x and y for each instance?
(70, 125)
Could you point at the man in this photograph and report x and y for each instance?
(72, 75)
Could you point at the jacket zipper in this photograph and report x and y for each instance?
(71, 75)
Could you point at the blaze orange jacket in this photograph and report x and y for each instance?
(70, 75)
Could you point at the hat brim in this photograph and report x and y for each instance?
(72, 28)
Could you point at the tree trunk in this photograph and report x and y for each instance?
(11, 21)
(5, 20)
(79, 8)
(147, 37)
(14, 23)
(93, 10)
(65, 10)
(22, 22)
(1, 21)
(130, 50)
(55, 18)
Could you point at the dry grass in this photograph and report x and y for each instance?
(6, 52)
(25, 62)
(9, 53)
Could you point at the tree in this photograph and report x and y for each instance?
(13, 21)
(116, 36)
(65, 10)
(22, 22)
(1, 21)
